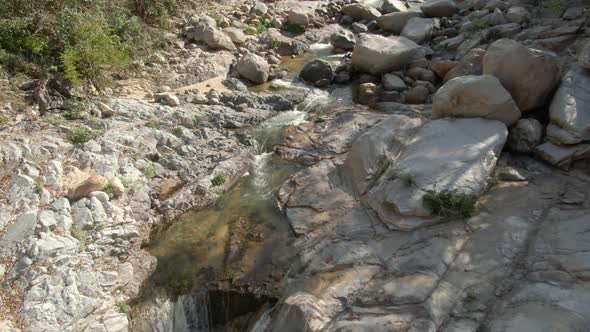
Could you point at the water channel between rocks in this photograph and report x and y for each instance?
(244, 237)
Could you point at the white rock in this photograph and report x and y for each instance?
(254, 68)
(395, 22)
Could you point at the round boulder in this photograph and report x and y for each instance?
(343, 40)
(253, 68)
(439, 8)
(525, 135)
(529, 75)
(475, 97)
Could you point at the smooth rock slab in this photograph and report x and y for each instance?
(475, 97)
(377, 54)
(444, 154)
(584, 56)
(570, 108)
(360, 12)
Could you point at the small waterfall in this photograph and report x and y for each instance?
(190, 313)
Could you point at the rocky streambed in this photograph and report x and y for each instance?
(431, 176)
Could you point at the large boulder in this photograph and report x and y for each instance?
(254, 68)
(343, 40)
(360, 12)
(236, 35)
(418, 29)
(570, 109)
(395, 22)
(584, 56)
(377, 54)
(298, 17)
(218, 40)
(318, 72)
(475, 97)
(455, 155)
(439, 8)
(529, 75)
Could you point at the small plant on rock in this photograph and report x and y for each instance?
(149, 172)
(79, 234)
(38, 188)
(450, 204)
(198, 119)
(122, 307)
(81, 134)
(177, 131)
(109, 189)
(218, 180)
(263, 26)
(154, 124)
(3, 120)
(275, 44)
(250, 31)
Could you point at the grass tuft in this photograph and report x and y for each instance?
(450, 204)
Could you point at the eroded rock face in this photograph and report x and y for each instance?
(529, 75)
(377, 54)
(475, 97)
(584, 56)
(318, 72)
(570, 109)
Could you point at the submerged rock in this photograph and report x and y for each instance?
(318, 72)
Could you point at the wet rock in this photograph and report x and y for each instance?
(393, 83)
(93, 183)
(471, 64)
(417, 95)
(318, 72)
(368, 94)
(529, 75)
(254, 68)
(570, 109)
(343, 40)
(360, 12)
(475, 97)
(439, 8)
(395, 22)
(377, 54)
(525, 135)
(418, 29)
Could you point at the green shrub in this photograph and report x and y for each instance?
(263, 25)
(81, 134)
(122, 307)
(109, 189)
(250, 31)
(76, 109)
(79, 234)
(198, 119)
(38, 188)
(154, 124)
(149, 172)
(3, 120)
(275, 43)
(218, 180)
(450, 204)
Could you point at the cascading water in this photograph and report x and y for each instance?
(194, 249)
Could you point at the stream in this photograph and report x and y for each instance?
(219, 266)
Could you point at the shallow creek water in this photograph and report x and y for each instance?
(244, 237)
